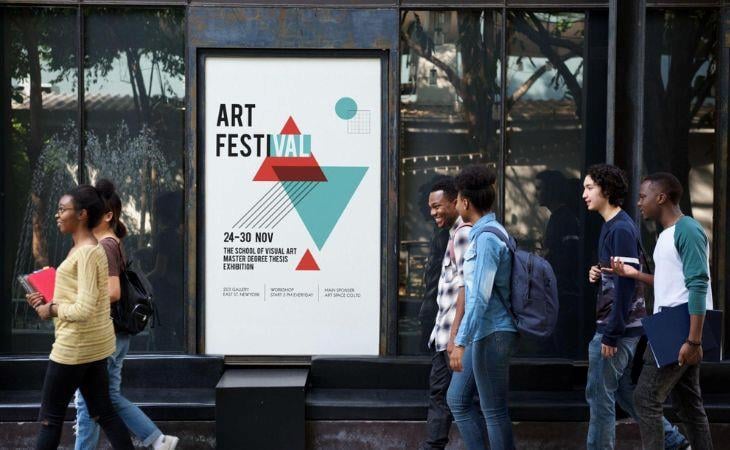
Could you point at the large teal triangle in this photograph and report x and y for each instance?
(323, 206)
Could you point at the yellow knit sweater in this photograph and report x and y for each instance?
(84, 329)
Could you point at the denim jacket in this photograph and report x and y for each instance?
(487, 272)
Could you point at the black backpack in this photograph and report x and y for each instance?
(135, 308)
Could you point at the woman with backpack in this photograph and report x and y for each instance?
(487, 328)
(84, 334)
(109, 232)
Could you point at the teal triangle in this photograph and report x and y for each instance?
(321, 207)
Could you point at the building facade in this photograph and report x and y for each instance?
(537, 89)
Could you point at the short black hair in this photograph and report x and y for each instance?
(476, 183)
(668, 183)
(445, 184)
(87, 197)
(612, 181)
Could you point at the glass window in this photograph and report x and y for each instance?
(681, 72)
(450, 118)
(39, 157)
(450, 86)
(134, 113)
(545, 160)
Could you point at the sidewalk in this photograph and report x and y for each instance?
(370, 435)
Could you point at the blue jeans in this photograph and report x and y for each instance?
(490, 371)
(87, 430)
(609, 382)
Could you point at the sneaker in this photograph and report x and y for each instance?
(168, 443)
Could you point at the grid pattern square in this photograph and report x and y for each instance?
(360, 124)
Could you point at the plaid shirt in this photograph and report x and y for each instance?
(452, 278)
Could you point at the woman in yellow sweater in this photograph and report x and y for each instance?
(84, 330)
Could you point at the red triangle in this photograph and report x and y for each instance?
(307, 262)
(290, 127)
(294, 168)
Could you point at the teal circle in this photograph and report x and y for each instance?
(346, 108)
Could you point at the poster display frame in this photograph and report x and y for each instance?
(202, 55)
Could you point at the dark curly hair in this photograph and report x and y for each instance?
(447, 185)
(476, 183)
(612, 181)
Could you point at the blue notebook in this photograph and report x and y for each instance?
(668, 329)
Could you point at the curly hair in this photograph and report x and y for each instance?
(612, 182)
(447, 185)
(476, 183)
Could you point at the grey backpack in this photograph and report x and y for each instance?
(534, 293)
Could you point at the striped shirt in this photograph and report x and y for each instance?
(452, 278)
(84, 330)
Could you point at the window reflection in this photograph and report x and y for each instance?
(545, 160)
(134, 109)
(679, 105)
(449, 118)
(39, 157)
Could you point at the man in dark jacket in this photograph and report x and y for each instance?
(438, 311)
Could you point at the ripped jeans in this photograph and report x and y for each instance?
(58, 388)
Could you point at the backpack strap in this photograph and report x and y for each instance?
(123, 268)
(512, 246)
(508, 240)
(450, 246)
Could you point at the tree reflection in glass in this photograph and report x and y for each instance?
(681, 72)
(134, 109)
(40, 156)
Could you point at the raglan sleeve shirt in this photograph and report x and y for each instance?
(691, 244)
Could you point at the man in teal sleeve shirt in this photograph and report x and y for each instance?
(682, 275)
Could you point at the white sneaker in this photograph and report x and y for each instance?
(168, 443)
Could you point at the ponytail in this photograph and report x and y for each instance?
(112, 204)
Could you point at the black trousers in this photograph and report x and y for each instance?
(59, 386)
(439, 415)
(654, 386)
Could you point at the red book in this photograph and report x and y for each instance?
(43, 281)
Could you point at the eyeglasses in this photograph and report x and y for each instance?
(62, 210)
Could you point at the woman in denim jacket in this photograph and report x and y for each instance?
(487, 333)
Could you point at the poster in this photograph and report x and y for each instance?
(292, 205)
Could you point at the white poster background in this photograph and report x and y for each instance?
(307, 89)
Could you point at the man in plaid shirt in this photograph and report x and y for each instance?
(450, 300)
